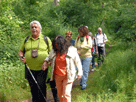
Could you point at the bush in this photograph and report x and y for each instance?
(10, 32)
(121, 22)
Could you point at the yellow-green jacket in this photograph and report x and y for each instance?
(84, 48)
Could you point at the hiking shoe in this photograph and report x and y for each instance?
(83, 88)
(92, 69)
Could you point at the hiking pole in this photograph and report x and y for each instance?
(35, 82)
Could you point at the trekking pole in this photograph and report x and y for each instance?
(36, 82)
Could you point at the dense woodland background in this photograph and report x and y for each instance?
(114, 81)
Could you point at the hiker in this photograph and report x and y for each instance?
(72, 41)
(64, 58)
(92, 51)
(100, 39)
(83, 44)
(69, 37)
(36, 51)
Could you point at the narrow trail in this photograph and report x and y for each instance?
(76, 82)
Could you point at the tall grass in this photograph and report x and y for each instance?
(13, 84)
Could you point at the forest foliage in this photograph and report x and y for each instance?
(116, 17)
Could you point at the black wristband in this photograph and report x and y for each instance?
(45, 61)
(21, 56)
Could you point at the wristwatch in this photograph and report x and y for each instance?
(45, 61)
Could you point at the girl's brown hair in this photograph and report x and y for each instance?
(62, 43)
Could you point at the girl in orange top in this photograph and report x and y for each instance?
(64, 59)
(60, 73)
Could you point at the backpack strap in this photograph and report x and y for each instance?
(24, 43)
(26, 39)
(78, 38)
(46, 41)
(103, 37)
(87, 38)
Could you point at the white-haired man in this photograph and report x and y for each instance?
(100, 39)
(33, 51)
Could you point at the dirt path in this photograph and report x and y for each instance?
(76, 82)
(49, 97)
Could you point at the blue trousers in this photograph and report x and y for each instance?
(86, 66)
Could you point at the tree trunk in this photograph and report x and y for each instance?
(56, 2)
(103, 18)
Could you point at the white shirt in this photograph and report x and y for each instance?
(100, 39)
(91, 40)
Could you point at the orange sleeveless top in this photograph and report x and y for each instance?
(60, 64)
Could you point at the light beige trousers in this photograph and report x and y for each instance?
(63, 88)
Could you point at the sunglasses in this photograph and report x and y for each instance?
(68, 34)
